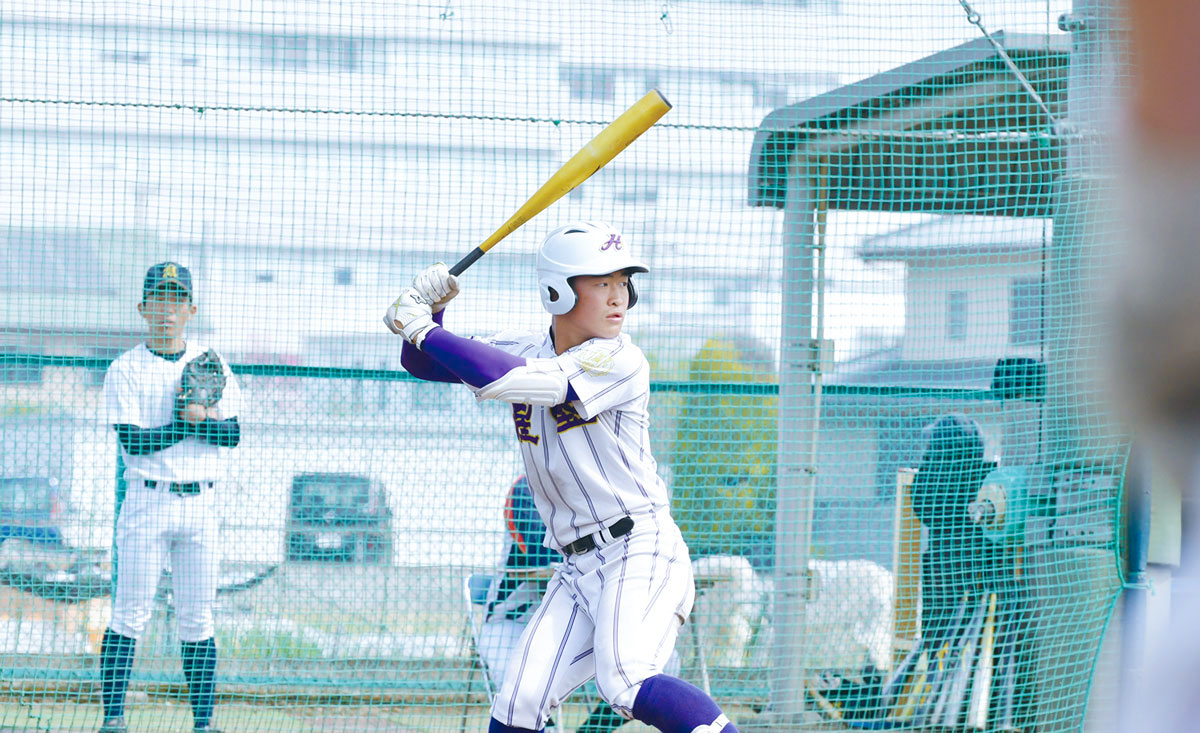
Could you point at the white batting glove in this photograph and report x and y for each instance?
(410, 316)
(436, 285)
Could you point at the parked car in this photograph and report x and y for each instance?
(30, 509)
(338, 517)
(33, 556)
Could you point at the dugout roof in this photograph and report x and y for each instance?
(954, 132)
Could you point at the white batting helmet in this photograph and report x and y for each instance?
(581, 248)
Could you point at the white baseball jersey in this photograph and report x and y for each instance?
(612, 612)
(588, 461)
(140, 389)
(155, 525)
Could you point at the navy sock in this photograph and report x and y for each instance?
(199, 669)
(674, 706)
(116, 664)
(497, 727)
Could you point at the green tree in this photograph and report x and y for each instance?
(725, 446)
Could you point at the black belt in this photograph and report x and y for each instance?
(188, 489)
(620, 528)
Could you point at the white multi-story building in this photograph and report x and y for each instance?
(306, 162)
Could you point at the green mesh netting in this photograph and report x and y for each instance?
(875, 233)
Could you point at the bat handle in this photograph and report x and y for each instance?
(465, 262)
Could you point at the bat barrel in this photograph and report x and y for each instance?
(597, 153)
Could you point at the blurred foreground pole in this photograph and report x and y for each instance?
(1156, 312)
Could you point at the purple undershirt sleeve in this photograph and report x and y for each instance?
(421, 365)
(474, 362)
(445, 357)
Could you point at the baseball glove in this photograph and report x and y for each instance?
(203, 380)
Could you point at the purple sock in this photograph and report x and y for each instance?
(674, 706)
(497, 727)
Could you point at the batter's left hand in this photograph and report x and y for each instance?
(410, 316)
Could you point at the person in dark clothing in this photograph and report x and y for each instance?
(959, 562)
(963, 571)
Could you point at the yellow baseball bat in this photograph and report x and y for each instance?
(592, 157)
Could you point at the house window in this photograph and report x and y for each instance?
(127, 57)
(124, 46)
(590, 84)
(343, 276)
(956, 315)
(647, 195)
(770, 94)
(1025, 312)
(285, 52)
(19, 366)
(337, 54)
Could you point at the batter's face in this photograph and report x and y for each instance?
(167, 311)
(599, 311)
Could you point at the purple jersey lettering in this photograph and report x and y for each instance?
(522, 418)
(567, 417)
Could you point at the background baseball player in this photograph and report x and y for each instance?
(174, 405)
(579, 397)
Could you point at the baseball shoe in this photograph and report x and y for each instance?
(113, 725)
(207, 729)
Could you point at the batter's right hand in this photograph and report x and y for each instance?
(436, 285)
(411, 317)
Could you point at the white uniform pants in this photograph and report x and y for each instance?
(155, 525)
(612, 613)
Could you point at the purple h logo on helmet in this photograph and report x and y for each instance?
(614, 241)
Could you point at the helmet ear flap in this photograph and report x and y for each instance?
(632, 291)
(558, 297)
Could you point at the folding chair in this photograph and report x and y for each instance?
(735, 579)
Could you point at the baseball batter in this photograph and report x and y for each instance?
(579, 397)
(171, 440)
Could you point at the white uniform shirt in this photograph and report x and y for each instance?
(588, 461)
(140, 389)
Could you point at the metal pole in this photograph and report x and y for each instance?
(798, 426)
(1138, 485)
(1083, 438)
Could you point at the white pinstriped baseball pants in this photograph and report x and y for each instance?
(155, 524)
(612, 613)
